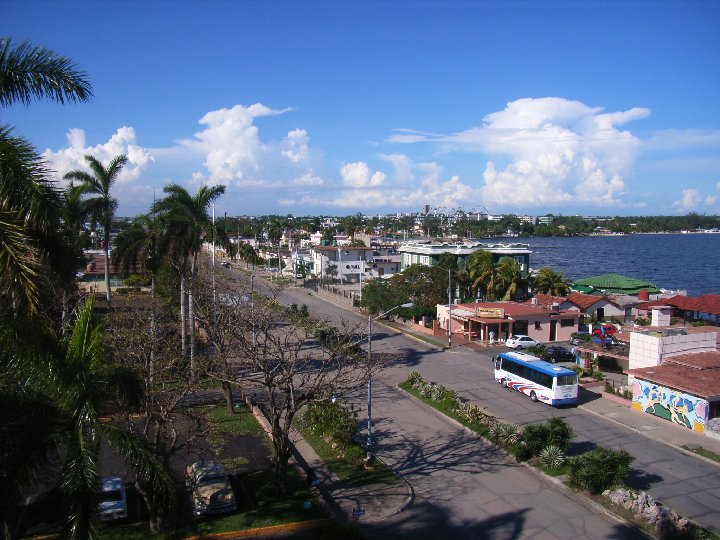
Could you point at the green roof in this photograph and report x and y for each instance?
(583, 288)
(615, 283)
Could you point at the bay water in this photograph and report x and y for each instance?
(688, 262)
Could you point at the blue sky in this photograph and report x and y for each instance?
(307, 107)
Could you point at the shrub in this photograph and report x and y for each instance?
(552, 457)
(600, 469)
(642, 321)
(331, 420)
(470, 412)
(137, 280)
(414, 377)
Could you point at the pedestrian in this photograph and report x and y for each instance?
(492, 337)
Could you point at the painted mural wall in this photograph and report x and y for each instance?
(684, 409)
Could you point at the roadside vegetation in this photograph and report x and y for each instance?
(599, 473)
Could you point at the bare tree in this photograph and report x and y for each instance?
(165, 421)
(295, 360)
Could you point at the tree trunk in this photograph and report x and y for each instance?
(183, 309)
(153, 330)
(227, 391)
(154, 518)
(281, 442)
(107, 264)
(191, 320)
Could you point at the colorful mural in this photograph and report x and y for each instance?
(684, 409)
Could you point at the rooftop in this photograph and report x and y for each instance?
(615, 283)
(696, 374)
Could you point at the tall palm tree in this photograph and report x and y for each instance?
(189, 222)
(142, 246)
(103, 206)
(481, 271)
(548, 281)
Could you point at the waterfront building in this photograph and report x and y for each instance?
(689, 308)
(615, 284)
(429, 253)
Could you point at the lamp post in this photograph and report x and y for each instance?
(369, 456)
(449, 309)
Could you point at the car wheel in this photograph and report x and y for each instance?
(533, 396)
(552, 360)
(519, 347)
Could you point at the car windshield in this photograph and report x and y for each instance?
(110, 496)
(212, 479)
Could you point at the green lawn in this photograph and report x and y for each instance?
(349, 465)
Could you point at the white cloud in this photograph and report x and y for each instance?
(557, 151)
(308, 179)
(359, 175)
(122, 142)
(693, 200)
(296, 145)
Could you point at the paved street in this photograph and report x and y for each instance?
(462, 487)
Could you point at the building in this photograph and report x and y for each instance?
(429, 253)
(684, 389)
(614, 284)
(503, 319)
(342, 263)
(689, 308)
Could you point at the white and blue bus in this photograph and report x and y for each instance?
(534, 377)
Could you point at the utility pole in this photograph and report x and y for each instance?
(449, 329)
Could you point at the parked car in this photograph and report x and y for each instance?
(558, 354)
(113, 499)
(210, 489)
(225, 264)
(578, 338)
(520, 342)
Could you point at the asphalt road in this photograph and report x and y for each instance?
(686, 484)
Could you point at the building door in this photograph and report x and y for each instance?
(553, 330)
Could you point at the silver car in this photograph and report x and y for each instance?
(210, 489)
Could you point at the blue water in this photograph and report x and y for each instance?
(670, 261)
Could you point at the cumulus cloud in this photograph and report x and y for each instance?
(554, 151)
(296, 145)
(360, 191)
(122, 142)
(359, 175)
(692, 200)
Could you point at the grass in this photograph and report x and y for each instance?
(447, 408)
(699, 450)
(349, 465)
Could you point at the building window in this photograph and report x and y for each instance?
(537, 325)
(564, 323)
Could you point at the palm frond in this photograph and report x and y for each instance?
(29, 72)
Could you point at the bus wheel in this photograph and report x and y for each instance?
(504, 383)
(533, 396)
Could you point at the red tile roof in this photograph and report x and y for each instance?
(699, 377)
(517, 310)
(707, 303)
(546, 300)
(585, 301)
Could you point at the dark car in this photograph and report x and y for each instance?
(558, 354)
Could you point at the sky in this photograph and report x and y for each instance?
(380, 107)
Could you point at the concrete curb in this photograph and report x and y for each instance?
(585, 501)
(645, 434)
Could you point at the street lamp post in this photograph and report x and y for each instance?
(369, 456)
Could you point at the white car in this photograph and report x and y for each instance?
(520, 342)
(113, 501)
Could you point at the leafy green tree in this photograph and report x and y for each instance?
(425, 286)
(548, 281)
(102, 206)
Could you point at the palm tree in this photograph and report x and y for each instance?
(102, 207)
(509, 281)
(79, 391)
(481, 271)
(28, 72)
(188, 221)
(548, 281)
